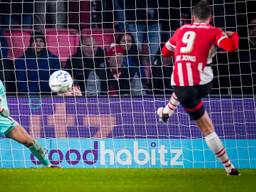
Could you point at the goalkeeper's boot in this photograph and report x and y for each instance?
(234, 172)
(163, 117)
(53, 166)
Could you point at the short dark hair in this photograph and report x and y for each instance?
(36, 35)
(202, 10)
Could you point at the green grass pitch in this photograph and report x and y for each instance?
(125, 180)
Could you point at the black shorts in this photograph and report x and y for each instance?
(190, 98)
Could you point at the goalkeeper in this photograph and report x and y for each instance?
(11, 129)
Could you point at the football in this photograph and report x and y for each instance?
(60, 81)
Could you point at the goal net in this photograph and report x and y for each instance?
(112, 50)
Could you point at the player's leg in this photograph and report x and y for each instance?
(190, 99)
(20, 135)
(214, 143)
(165, 112)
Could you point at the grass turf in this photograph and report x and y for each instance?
(94, 180)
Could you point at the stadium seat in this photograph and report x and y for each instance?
(62, 42)
(103, 37)
(18, 41)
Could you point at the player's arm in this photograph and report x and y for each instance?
(229, 41)
(168, 49)
(170, 45)
(4, 111)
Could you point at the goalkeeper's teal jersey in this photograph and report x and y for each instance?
(6, 123)
(3, 98)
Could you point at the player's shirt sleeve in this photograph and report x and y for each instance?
(225, 42)
(170, 45)
(220, 36)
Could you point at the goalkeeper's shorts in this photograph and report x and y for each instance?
(190, 98)
(6, 125)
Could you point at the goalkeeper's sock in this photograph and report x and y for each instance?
(171, 106)
(40, 154)
(214, 143)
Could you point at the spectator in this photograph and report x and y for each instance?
(124, 63)
(118, 78)
(142, 20)
(33, 69)
(89, 58)
(52, 12)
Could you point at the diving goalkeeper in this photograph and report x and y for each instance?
(11, 129)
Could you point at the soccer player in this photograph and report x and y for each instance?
(192, 46)
(11, 129)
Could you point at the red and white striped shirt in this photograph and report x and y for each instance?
(194, 47)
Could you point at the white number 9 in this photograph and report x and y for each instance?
(188, 39)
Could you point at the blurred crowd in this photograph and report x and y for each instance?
(131, 64)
